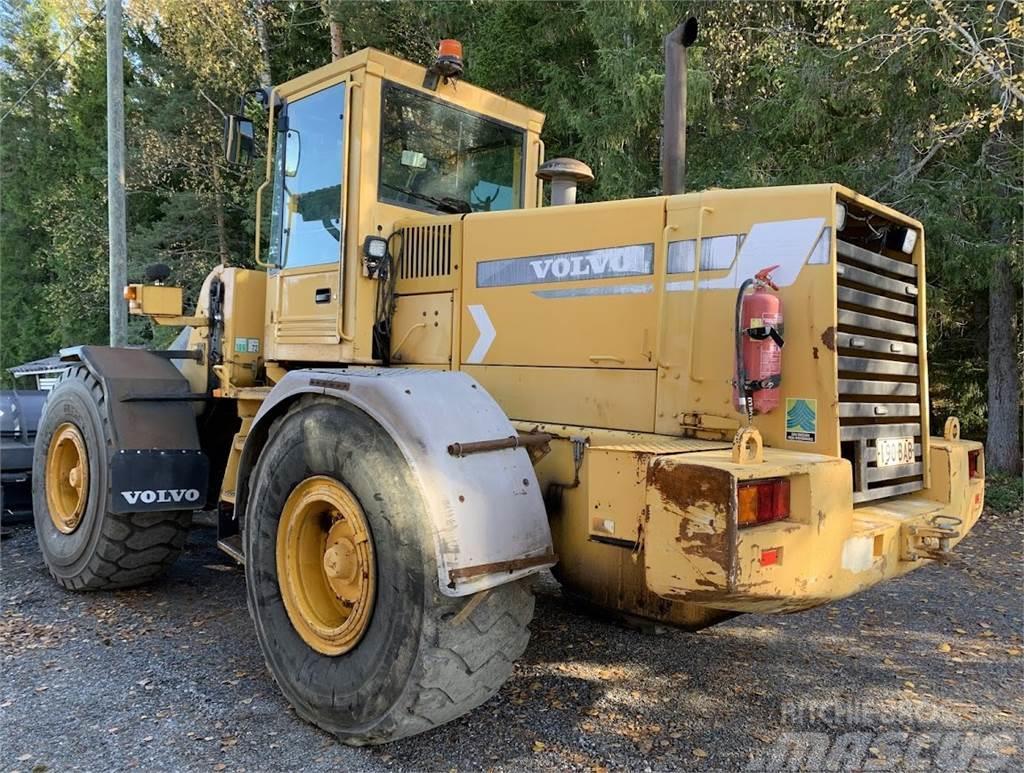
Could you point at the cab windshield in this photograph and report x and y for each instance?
(439, 158)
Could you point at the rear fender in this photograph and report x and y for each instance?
(485, 510)
(155, 459)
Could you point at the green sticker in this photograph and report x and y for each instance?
(241, 345)
(801, 419)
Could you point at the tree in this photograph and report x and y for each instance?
(33, 144)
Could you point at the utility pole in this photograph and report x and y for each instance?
(115, 176)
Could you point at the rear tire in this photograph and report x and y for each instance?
(423, 658)
(95, 549)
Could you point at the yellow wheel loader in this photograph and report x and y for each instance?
(689, 406)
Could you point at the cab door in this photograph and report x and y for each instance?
(307, 235)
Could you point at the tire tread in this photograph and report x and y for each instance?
(451, 685)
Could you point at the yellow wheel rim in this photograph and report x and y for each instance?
(325, 565)
(67, 478)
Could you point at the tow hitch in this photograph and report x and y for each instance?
(929, 541)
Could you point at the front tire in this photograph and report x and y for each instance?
(84, 545)
(419, 658)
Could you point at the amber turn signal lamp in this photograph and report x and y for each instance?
(762, 501)
(129, 292)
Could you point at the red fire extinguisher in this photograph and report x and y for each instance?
(758, 345)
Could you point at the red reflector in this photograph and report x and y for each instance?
(974, 468)
(770, 556)
(763, 501)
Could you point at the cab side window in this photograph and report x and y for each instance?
(308, 182)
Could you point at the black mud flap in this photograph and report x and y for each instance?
(156, 458)
(148, 480)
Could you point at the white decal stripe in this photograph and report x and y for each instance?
(487, 334)
(787, 243)
(577, 292)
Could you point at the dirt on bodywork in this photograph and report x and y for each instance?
(703, 499)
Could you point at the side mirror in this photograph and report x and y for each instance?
(292, 152)
(238, 139)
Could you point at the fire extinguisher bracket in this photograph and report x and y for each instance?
(767, 331)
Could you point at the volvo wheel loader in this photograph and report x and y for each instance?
(688, 406)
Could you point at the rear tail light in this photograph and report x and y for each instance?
(975, 464)
(763, 501)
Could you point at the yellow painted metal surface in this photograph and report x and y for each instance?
(422, 329)
(325, 565)
(244, 343)
(248, 404)
(613, 398)
(67, 478)
(154, 300)
(826, 550)
(615, 481)
(607, 576)
(560, 303)
(697, 370)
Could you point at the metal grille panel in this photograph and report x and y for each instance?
(426, 251)
(879, 379)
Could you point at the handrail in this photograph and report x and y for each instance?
(267, 178)
(349, 276)
(540, 183)
(661, 279)
(695, 303)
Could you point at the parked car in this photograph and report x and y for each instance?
(20, 409)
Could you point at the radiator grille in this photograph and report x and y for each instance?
(426, 251)
(879, 381)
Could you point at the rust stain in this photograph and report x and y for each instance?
(693, 491)
(749, 602)
(689, 486)
(829, 338)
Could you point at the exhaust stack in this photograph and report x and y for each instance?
(673, 144)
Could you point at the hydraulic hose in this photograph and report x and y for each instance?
(741, 366)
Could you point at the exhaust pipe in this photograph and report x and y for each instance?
(673, 144)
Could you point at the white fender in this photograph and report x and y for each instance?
(485, 509)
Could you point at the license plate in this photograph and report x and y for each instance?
(890, 451)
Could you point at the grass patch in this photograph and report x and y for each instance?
(1004, 492)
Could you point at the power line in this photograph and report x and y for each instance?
(49, 67)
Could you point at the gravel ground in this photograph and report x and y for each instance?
(170, 677)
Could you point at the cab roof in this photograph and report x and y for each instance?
(392, 68)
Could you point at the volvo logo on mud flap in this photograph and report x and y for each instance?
(149, 496)
(151, 480)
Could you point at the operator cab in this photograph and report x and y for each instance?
(356, 147)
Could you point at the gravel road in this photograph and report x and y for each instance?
(922, 672)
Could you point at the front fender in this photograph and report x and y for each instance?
(486, 512)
